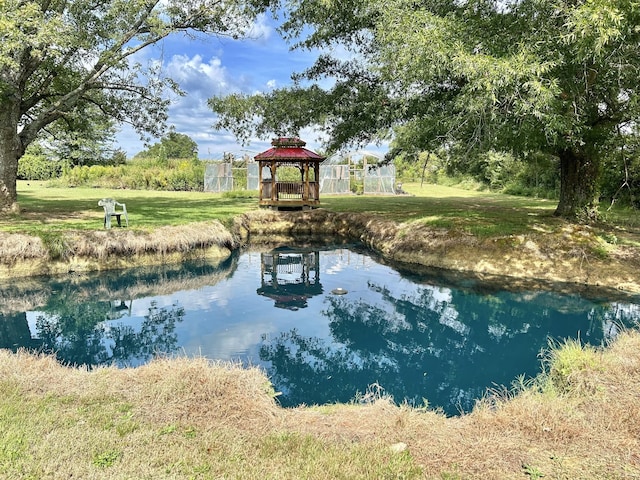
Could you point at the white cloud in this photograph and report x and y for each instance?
(261, 29)
(197, 77)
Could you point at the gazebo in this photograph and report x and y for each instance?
(288, 175)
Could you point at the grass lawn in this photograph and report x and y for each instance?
(485, 214)
(46, 208)
(479, 213)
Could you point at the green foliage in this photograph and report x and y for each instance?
(86, 139)
(356, 185)
(289, 174)
(239, 178)
(66, 69)
(38, 167)
(538, 176)
(119, 157)
(419, 167)
(532, 472)
(173, 146)
(481, 77)
(144, 174)
(621, 173)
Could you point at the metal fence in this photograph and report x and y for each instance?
(253, 178)
(379, 180)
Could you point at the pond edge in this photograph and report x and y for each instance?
(572, 255)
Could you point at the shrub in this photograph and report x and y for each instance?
(141, 174)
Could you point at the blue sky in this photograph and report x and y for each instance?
(211, 66)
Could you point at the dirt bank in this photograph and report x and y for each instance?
(571, 254)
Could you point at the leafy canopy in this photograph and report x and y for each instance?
(69, 64)
(173, 145)
(524, 74)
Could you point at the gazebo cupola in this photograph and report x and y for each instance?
(289, 174)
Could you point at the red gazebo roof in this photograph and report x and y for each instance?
(286, 148)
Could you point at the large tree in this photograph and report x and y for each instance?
(66, 63)
(559, 76)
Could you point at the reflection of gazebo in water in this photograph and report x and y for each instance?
(290, 277)
(288, 175)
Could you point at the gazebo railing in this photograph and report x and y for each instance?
(289, 190)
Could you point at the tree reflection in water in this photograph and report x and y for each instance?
(78, 335)
(445, 345)
(76, 315)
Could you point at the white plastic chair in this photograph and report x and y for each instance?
(109, 205)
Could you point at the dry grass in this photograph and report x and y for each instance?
(164, 240)
(16, 247)
(192, 419)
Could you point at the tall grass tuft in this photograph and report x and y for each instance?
(57, 244)
(566, 364)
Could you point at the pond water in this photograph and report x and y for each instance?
(326, 324)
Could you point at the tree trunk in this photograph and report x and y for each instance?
(10, 151)
(579, 174)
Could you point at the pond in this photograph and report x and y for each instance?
(329, 324)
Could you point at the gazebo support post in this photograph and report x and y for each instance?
(274, 189)
(305, 187)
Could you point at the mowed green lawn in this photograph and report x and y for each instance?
(46, 208)
(53, 208)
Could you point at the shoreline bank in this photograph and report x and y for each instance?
(571, 254)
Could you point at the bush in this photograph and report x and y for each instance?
(536, 175)
(143, 174)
